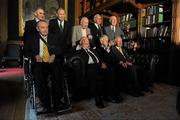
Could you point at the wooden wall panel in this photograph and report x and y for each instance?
(3, 24)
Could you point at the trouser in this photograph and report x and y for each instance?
(41, 72)
(94, 79)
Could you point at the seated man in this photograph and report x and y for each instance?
(107, 71)
(125, 68)
(43, 50)
(92, 64)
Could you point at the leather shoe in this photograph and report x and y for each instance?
(99, 102)
(60, 107)
(44, 111)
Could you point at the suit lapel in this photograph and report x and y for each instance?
(80, 31)
(57, 24)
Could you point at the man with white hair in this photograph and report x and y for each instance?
(113, 30)
(80, 31)
(97, 30)
(30, 25)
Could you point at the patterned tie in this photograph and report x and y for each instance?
(45, 55)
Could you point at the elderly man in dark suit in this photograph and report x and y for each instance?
(97, 30)
(30, 25)
(107, 71)
(92, 65)
(62, 29)
(42, 49)
(125, 69)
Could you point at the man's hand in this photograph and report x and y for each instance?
(103, 66)
(38, 58)
(123, 64)
(129, 63)
(51, 59)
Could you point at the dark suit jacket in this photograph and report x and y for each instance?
(117, 56)
(85, 56)
(64, 38)
(30, 29)
(96, 33)
(105, 57)
(33, 45)
(90, 72)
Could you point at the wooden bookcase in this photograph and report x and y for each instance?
(156, 26)
(129, 25)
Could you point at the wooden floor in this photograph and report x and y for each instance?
(12, 98)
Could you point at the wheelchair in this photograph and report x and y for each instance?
(30, 87)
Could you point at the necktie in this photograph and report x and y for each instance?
(120, 50)
(113, 31)
(60, 26)
(45, 55)
(94, 58)
(99, 27)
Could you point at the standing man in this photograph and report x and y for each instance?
(97, 30)
(43, 50)
(81, 30)
(62, 29)
(30, 26)
(113, 30)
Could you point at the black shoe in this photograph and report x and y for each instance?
(113, 99)
(99, 102)
(44, 111)
(146, 89)
(60, 107)
(120, 98)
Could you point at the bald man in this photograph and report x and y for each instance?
(30, 25)
(62, 29)
(81, 30)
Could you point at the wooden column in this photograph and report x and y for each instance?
(3, 24)
(176, 22)
(77, 11)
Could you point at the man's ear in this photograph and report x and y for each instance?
(37, 29)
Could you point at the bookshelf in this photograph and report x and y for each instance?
(129, 25)
(156, 26)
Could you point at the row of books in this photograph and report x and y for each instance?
(152, 10)
(126, 17)
(152, 19)
(128, 25)
(161, 31)
(130, 35)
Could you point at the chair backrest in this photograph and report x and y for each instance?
(77, 65)
(13, 50)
